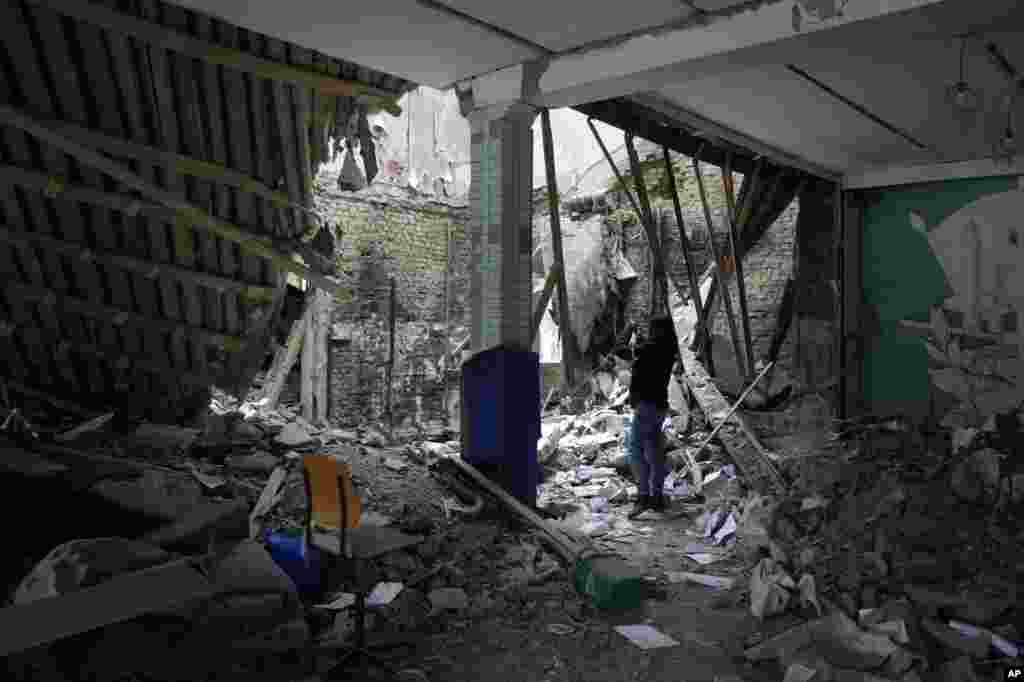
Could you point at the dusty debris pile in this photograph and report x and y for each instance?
(911, 540)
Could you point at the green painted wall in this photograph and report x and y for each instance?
(903, 279)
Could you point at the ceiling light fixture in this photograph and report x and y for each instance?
(1007, 144)
(964, 98)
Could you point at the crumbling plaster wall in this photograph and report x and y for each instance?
(388, 232)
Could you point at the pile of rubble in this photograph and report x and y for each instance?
(911, 539)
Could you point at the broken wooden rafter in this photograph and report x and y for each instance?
(758, 470)
(119, 359)
(736, 247)
(684, 241)
(118, 317)
(165, 38)
(149, 269)
(615, 169)
(723, 283)
(179, 163)
(659, 283)
(542, 304)
(66, 405)
(569, 346)
(285, 357)
(187, 213)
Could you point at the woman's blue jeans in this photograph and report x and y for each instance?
(647, 451)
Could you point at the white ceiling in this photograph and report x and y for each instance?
(897, 70)
(562, 25)
(896, 67)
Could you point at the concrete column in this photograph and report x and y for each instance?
(501, 201)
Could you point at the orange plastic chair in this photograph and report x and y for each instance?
(333, 505)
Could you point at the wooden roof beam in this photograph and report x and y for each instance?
(186, 213)
(250, 293)
(178, 163)
(118, 317)
(117, 357)
(168, 39)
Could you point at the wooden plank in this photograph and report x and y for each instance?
(165, 114)
(264, 161)
(736, 246)
(569, 346)
(853, 348)
(192, 214)
(757, 470)
(66, 405)
(139, 104)
(723, 283)
(304, 107)
(283, 128)
(659, 283)
(100, 98)
(163, 38)
(542, 304)
(242, 147)
(61, 71)
(193, 142)
(21, 52)
(118, 600)
(314, 359)
(120, 317)
(131, 264)
(285, 357)
(684, 241)
(118, 358)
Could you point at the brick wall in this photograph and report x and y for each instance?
(766, 269)
(390, 233)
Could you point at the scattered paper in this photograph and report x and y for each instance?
(645, 636)
(703, 558)
(383, 594)
(344, 600)
(714, 521)
(727, 529)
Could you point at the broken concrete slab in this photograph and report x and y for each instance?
(157, 493)
(260, 462)
(293, 435)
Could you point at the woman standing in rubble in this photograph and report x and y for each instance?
(648, 394)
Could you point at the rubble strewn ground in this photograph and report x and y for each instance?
(893, 555)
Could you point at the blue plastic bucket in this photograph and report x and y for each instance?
(286, 548)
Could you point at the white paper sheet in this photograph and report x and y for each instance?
(645, 636)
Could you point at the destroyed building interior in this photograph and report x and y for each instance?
(319, 323)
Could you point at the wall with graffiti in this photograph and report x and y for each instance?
(943, 272)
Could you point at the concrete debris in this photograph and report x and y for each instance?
(446, 598)
(770, 587)
(293, 435)
(257, 462)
